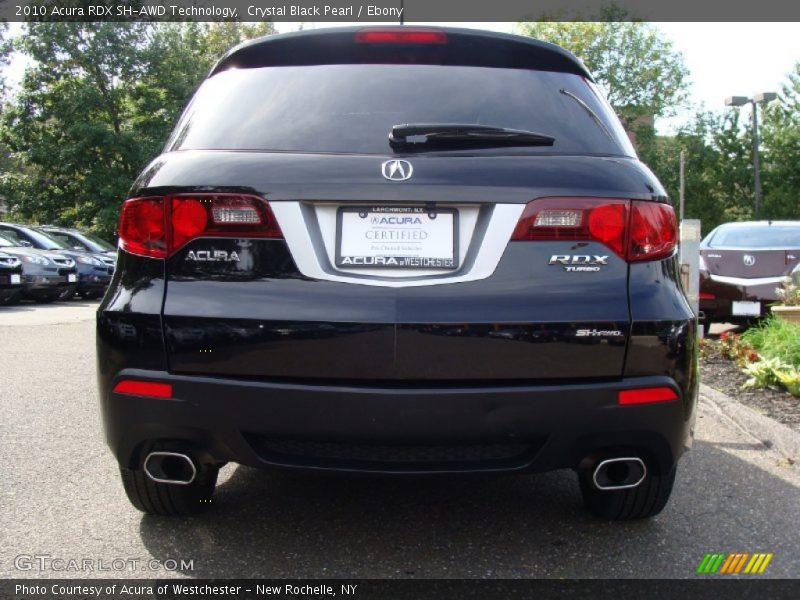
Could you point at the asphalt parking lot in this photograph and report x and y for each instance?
(62, 498)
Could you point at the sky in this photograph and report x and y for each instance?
(724, 59)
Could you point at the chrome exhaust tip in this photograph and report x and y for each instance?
(170, 467)
(619, 473)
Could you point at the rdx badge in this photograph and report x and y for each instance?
(212, 256)
(579, 262)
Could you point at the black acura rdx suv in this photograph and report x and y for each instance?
(398, 250)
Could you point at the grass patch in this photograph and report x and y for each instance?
(776, 338)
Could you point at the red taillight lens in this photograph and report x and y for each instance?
(707, 296)
(647, 395)
(607, 225)
(601, 219)
(153, 389)
(143, 224)
(400, 36)
(635, 230)
(654, 231)
(141, 227)
(189, 219)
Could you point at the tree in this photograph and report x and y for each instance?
(95, 106)
(639, 70)
(781, 152)
(5, 54)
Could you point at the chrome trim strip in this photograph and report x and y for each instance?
(300, 225)
(746, 282)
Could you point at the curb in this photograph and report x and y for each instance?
(775, 436)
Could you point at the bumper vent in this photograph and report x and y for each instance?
(349, 456)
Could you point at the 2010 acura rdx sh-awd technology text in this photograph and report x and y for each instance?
(402, 250)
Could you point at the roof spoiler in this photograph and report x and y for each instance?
(464, 47)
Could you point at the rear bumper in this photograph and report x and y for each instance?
(93, 283)
(397, 429)
(726, 292)
(45, 284)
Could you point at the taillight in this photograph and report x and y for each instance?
(600, 219)
(158, 226)
(654, 231)
(635, 230)
(400, 36)
(141, 227)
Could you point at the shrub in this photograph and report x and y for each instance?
(776, 338)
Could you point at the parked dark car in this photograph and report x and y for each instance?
(46, 275)
(742, 265)
(10, 278)
(85, 241)
(94, 274)
(398, 250)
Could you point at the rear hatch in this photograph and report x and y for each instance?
(279, 182)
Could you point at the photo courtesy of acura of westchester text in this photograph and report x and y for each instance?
(412, 298)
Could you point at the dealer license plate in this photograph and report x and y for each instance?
(399, 237)
(746, 309)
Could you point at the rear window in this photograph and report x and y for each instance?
(766, 236)
(352, 108)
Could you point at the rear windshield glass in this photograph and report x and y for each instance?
(66, 241)
(99, 243)
(772, 236)
(352, 108)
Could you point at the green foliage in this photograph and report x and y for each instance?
(790, 379)
(719, 171)
(643, 76)
(5, 53)
(788, 294)
(776, 338)
(638, 69)
(95, 106)
(737, 349)
(762, 373)
(781, 152)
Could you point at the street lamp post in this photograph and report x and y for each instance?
(757, 99)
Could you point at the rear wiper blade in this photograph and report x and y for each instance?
(432, 133)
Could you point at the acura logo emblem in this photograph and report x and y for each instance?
(397, 170)
(749, 260)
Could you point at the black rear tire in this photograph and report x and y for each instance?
(67, 293)
(642, 502)
(10, 299)
(168, 499)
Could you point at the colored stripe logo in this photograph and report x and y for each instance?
(737, 562)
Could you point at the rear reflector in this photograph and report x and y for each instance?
(707, 296)
(152, 389)
(647, 395)
(400, 36)
(158, 226)
(635, 229)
